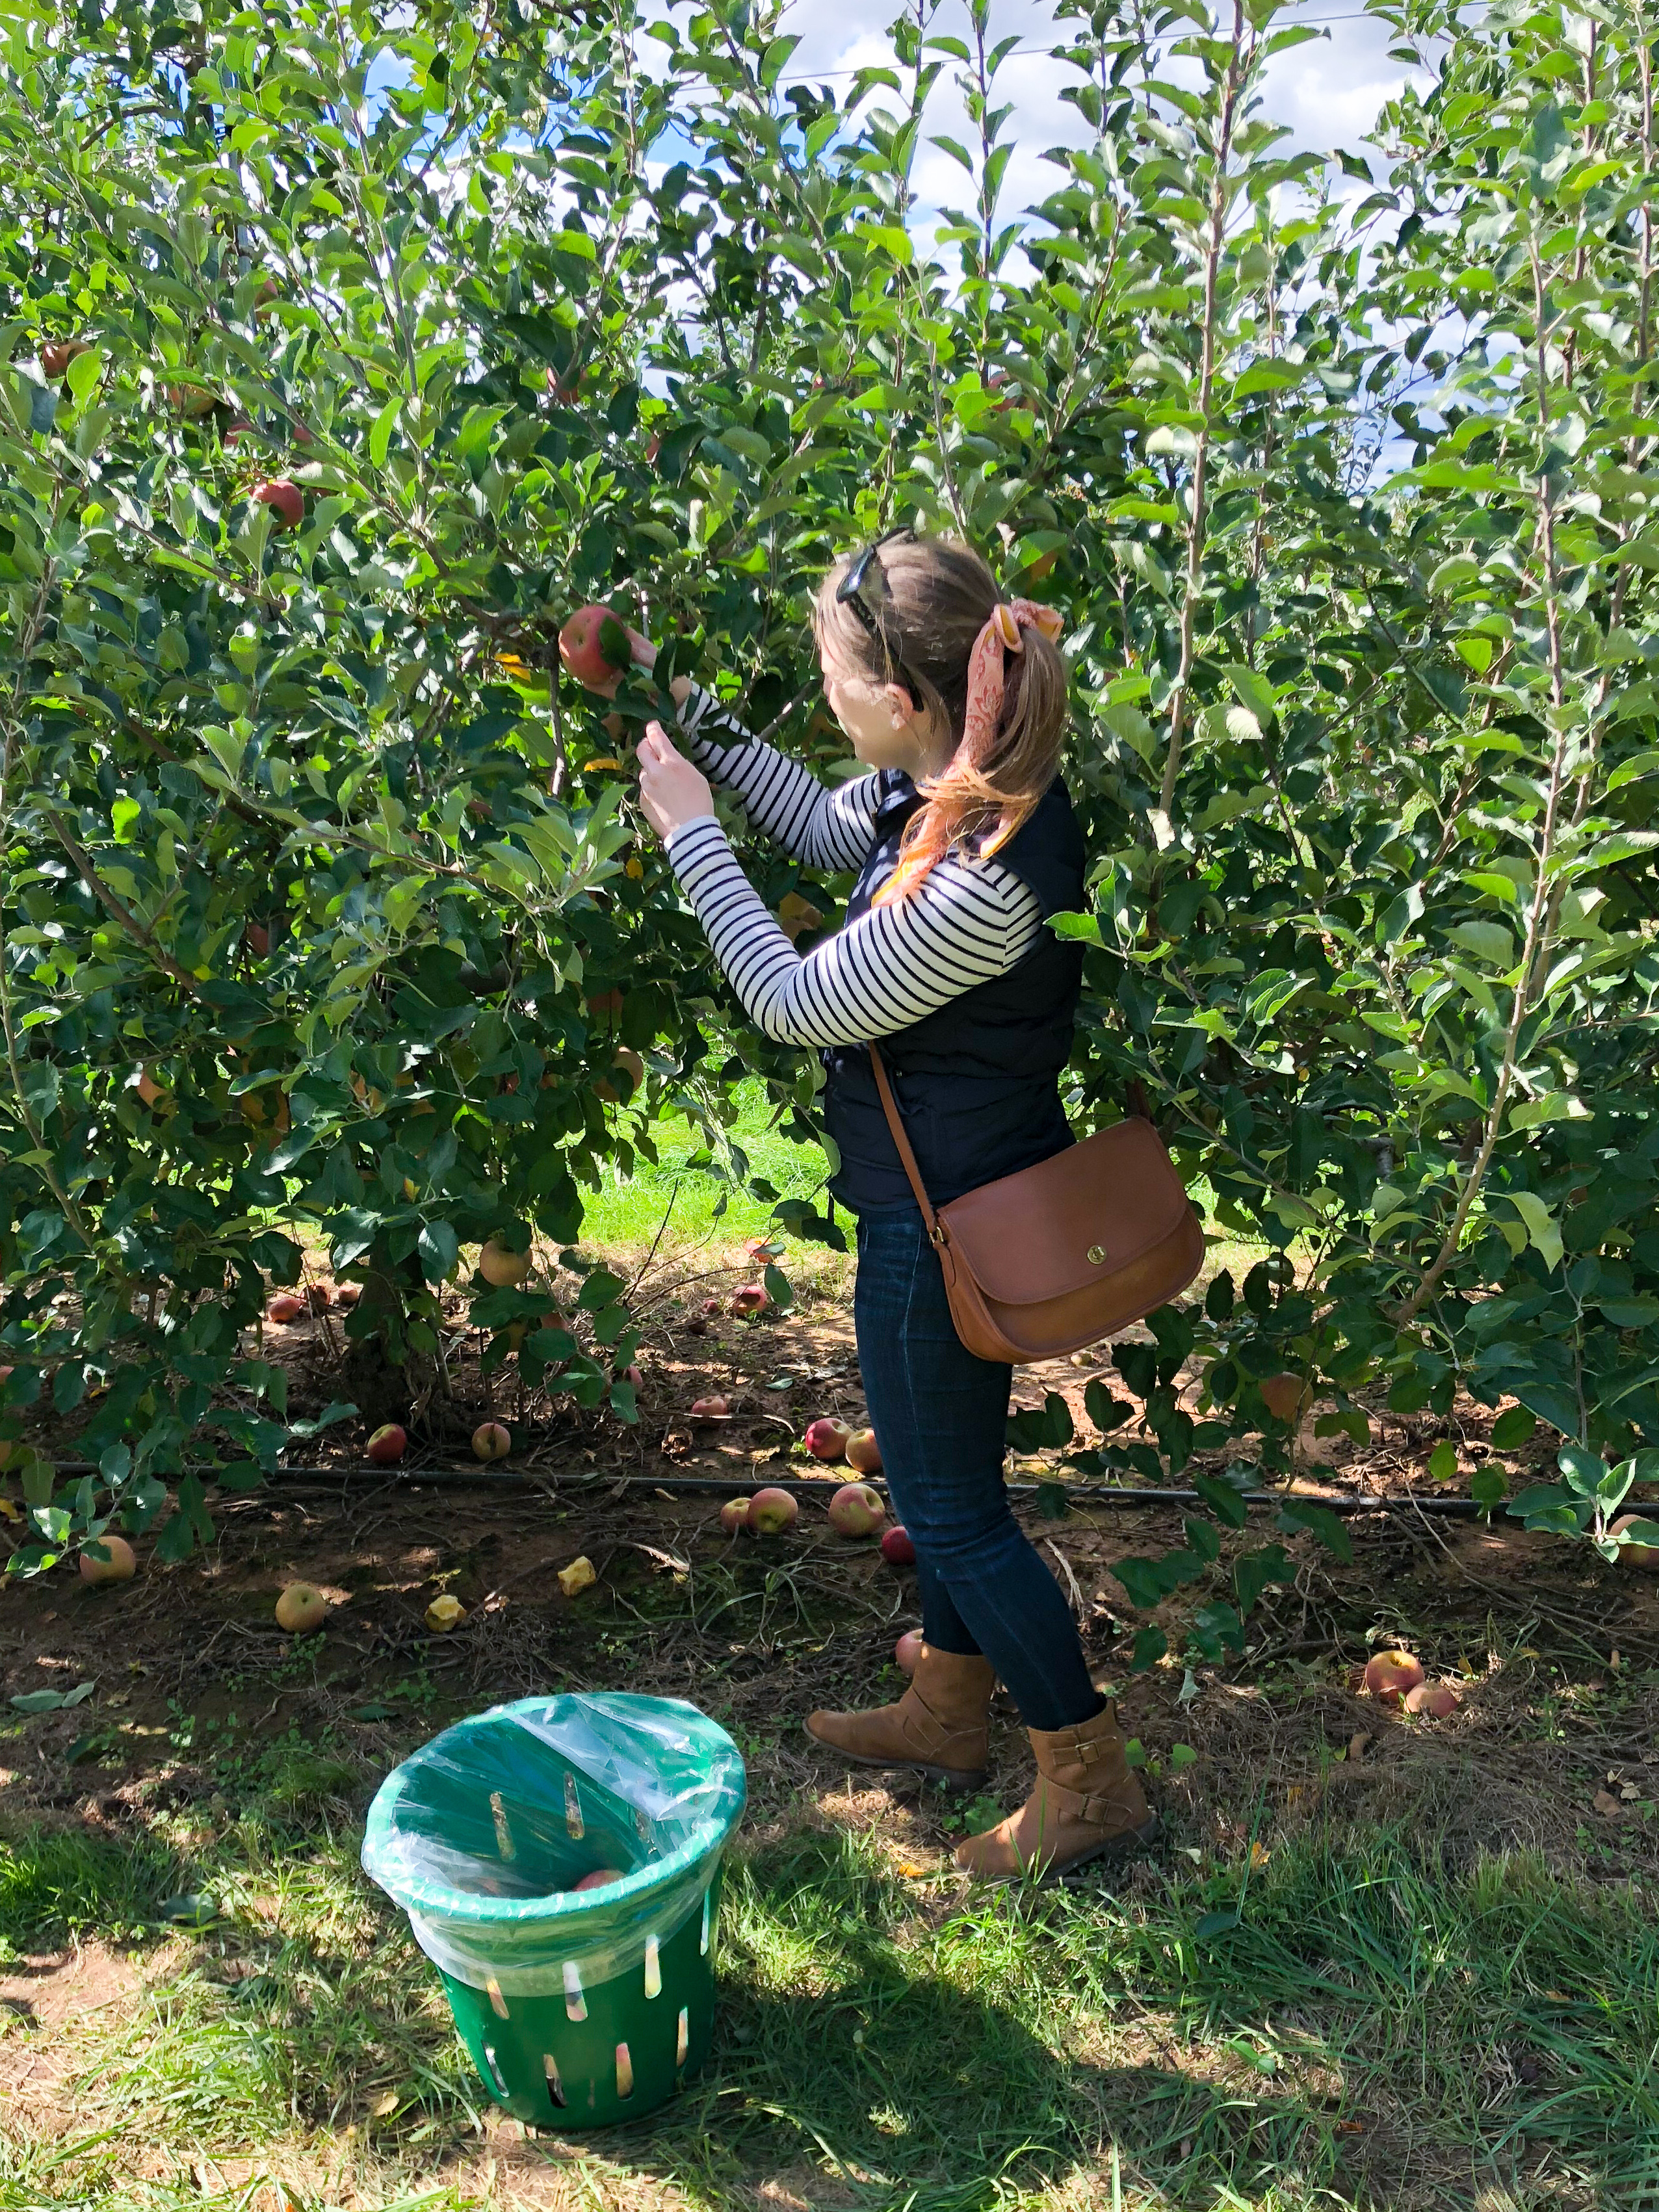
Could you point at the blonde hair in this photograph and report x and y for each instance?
(938, 596)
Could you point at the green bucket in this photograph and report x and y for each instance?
(580, 2009)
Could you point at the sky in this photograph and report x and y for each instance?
(1327, 91)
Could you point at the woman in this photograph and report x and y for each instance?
(964, 841)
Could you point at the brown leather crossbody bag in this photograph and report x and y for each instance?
(1064, 1253)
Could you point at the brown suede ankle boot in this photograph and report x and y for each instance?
(1087, 1805)
(937, 1726)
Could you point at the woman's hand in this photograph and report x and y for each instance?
(673, 790)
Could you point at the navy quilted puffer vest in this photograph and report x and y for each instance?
(977, 1080)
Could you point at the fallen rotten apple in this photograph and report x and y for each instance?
(734, 1515)
(863, 1452)
(116, 1564)
(578, 1576)
(444, 1613)
(710, 1409)
(1438, 1699)
(772, 1510)
(490, 1441)
(302, 1609)
(856, 1510)
(502, 1267)
(1390, 1674)
(388, 1444)
(750, 1299)
(897, 1548)
(827, 1438)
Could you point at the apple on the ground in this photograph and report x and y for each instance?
(772, 1510)
(856, 1510)
(287, 1306)
(734, 1515)
(1390, 1674)
(896, 1548)
(710, 1409)
(302, 1609)
(388, 1444)
(863, 1452)
(908, 1649)
(1438, 1700)
(750, 1298)
(827, 1438)
(490, 1441)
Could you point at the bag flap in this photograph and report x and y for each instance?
(1074, 1218)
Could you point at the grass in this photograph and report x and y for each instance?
(1332, 2028)
(626, 1214)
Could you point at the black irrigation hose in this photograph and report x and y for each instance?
(715, 1485)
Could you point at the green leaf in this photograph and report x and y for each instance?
(1254, 1571)
(1222, 1500)
(1321, 1521)
(440, 1251)
(1541, 1231)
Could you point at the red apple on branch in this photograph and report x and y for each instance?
(502, 1267)
(284, 498)
(593, 646)
(57, 354)
(107, 1559)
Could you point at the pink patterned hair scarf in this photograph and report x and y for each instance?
(1003, 633)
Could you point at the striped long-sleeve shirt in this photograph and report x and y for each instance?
(971, 920)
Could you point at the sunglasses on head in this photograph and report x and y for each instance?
(849, 592)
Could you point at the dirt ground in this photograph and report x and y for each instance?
(1552, 1747)
(1539, 1639)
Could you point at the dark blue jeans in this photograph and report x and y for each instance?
(940, 1418)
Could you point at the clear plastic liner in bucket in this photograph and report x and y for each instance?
(580, 2007)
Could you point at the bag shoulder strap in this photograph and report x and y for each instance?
(936, 1229)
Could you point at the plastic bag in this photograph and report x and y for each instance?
(481, 1835)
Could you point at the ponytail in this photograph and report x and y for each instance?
(989, 673)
